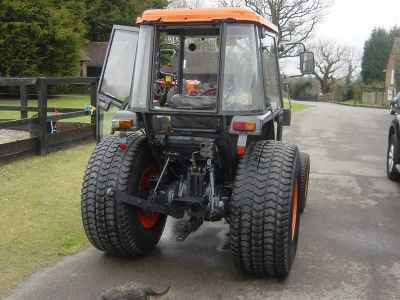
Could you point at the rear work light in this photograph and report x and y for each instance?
(244, 126)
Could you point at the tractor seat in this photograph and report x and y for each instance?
(179, 101)
(183, 102)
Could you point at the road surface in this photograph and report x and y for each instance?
(349, 245)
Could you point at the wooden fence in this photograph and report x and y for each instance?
(43, 141)
(373, 97)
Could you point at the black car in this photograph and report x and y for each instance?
(393, 152)
(395, 105)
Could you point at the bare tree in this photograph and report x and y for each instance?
(230, 3)
(295, 19)
(184, 3)
(331, 61)
(352, 61)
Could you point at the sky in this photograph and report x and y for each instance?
(350, 22)
(347, 22)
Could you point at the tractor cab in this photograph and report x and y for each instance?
(218, 62)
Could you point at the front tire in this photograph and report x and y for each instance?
(265, 209)
(116, 228)
(393, 158)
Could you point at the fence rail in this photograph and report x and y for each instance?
(44, 140)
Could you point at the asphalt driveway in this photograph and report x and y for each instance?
(349, 245)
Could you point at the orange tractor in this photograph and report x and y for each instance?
(196, 129)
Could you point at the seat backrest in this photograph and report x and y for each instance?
(193, 103)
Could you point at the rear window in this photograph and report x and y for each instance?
(186, 65)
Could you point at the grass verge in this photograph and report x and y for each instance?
(40, 212)
(296, 106)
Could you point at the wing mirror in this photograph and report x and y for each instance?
(307, 63)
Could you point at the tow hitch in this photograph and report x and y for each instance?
(154, 204)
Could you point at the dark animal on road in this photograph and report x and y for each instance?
(134, 292)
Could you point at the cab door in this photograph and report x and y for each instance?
(115, 83)
(272, 83)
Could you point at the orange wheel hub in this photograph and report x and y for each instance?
(147, 220)
(294, 207)
(306, 184)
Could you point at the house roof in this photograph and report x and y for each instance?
(200, 15)
(94, 53)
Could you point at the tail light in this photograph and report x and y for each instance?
(244, 126)
(124, 120)
(122, 124)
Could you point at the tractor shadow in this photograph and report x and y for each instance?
(201, 263)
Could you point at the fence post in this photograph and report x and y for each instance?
(93, 102)
(42, 114)
(24, 101)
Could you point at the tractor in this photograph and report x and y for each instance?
(190, 120)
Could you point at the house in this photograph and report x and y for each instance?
(92, 59)
(390, 84)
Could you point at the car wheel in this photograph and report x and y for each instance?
(393, 158)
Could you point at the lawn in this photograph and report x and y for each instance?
(64, 101)
(40, 212)
(296, 106)
(40, 207)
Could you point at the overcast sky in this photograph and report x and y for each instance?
(351, 21)
(348, 22)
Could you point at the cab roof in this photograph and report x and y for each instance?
(199, 15)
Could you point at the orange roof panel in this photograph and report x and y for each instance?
(198, 15)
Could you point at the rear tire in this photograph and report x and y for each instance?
(265, 210)
(117, 228)
(305, 175)
(393, 158)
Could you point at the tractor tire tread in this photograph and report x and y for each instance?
(260, 210)
(106, 221)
